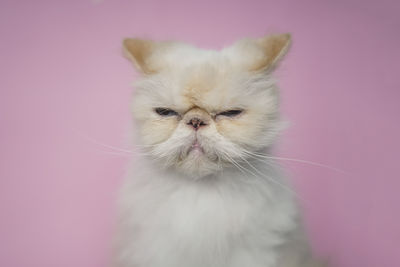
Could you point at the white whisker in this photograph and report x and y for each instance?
(264, 156)
(270, 178)
(94, 141)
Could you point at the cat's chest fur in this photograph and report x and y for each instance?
(209, 222)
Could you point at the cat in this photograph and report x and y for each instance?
(202, 193)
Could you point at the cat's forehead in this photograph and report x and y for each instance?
(208, 84)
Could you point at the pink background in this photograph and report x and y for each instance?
(64, 86)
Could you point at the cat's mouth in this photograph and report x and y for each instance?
(196, 147)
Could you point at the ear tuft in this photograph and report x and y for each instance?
(274, 48)
(139, 52)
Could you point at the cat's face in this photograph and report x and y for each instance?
(199, 111)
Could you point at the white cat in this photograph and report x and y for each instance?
(201, 194)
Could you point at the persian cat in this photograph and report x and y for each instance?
(200, 193)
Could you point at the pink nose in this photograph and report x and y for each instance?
(196, 123)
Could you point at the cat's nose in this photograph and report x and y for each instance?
(196, 123)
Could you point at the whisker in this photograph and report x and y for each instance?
(116, 154)
(100, 143)
(237, 165)
(270, 178)
(114, 148)
(264, 156)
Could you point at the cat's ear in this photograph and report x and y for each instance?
(274, 48)
(139, 51)
(262, 54)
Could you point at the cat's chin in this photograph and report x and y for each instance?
(197, 164)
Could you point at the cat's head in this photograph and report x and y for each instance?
(199, 111)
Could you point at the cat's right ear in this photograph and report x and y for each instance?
(139, 51)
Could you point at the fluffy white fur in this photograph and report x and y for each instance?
(206, 197)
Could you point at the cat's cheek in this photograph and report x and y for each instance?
(156, 131)
(242, 130)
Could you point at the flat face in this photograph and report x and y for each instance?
(235, 111)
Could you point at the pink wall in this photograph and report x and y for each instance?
(64, 81)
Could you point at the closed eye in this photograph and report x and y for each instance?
(230, 113)
(165, 112)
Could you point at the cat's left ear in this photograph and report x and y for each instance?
(261, 54)
(274, 48)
